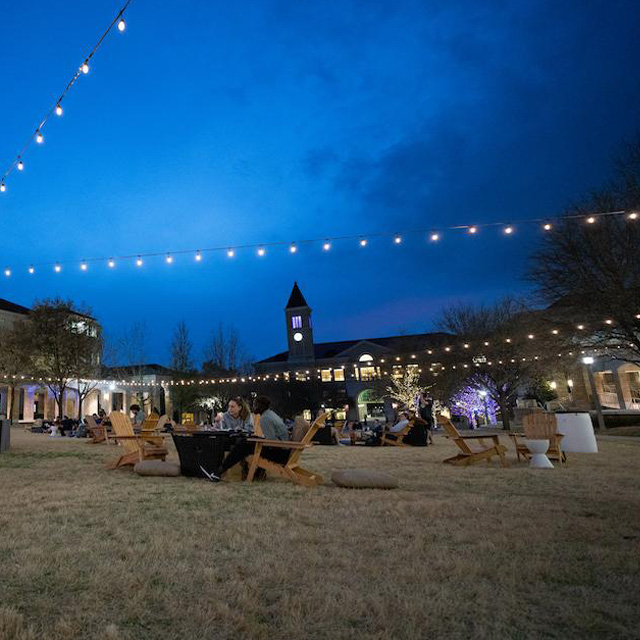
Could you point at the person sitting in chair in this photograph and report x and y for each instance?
(272, 427)
(237, 417)
(403, 421)
(138, 415)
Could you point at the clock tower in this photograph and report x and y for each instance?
(299, 332)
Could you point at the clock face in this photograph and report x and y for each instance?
(297, 336)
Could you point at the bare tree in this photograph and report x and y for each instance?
(510, 361)
(589, 274)
(181, 348)
(225, 352)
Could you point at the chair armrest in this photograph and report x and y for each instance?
(281, 444)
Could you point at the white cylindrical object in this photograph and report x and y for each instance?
(538, 449)
(578, 433)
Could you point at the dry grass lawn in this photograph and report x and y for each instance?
(482, 552)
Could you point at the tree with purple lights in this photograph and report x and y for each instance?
(473, 401)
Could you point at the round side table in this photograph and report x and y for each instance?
(538, 449)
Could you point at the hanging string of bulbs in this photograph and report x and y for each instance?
(57, 109)
(326, 243)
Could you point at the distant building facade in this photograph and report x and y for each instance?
(350, 372)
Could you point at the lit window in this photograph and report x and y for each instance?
(366, 357)
(325, 375)
(296, 322)
(338, 375)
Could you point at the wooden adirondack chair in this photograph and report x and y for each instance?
(151, 428)
(97, 432)
(290, 469)
(396, 439)
(540, 426)
(470, 455)
(135, 446)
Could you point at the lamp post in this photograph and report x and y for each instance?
(588, 361)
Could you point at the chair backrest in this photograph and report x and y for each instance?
(163, 421)
(300, 428)
(257, 429)
(540, 425)
(449, 427)
(150, 422)
(121, 426)
(91, 422)
(311, 431)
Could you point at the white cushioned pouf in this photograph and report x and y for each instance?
(157, 468)
(364, 479)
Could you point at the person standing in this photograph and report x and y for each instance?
(425, 411)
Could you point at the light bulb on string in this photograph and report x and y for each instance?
(434, 237)
(111, 263)
(230, 253)
(85, 67)
(139, 261)
(326, 246)
(7, 272)
(547, 226)
(20, 165)
(591, 219)
(169, 259)
(293, 248)
(3, 187)
(261, 251)
(473, 230)
(198, 256)
(31, 269)
(57, 268)
(58, 110)
(121, 25)
(39, 137)
(83, 266)
(508, 230)
(633, 216)
(397, 239)
(363, 242)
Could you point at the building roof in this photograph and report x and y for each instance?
(5, 305)
(138, 369)
(296, 299)
(399, 344)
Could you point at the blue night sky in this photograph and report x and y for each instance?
(216, 123)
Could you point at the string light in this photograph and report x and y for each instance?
(169, 259)
(7, 272)
(3, 187)
(591, 219)
(111, 263)
(633, 216)
(398, 239)
(326, 244)
(139, 261)
(57, 268)
(31, 269)
(57, 108)
(508, 230)
(473, 230)
(548, 226)
(83, 266)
